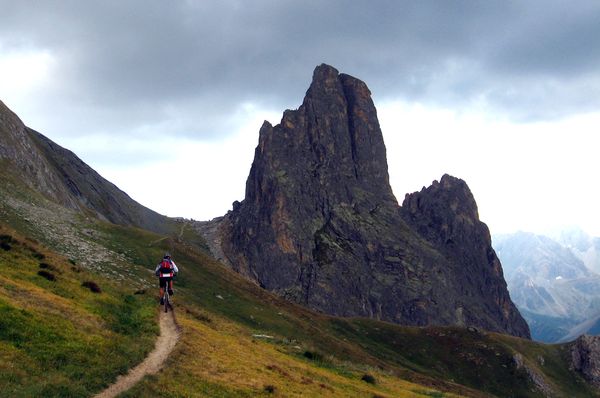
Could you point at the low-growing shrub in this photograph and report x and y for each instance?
(93, 286)
(48, 267)
(367, 378)
(6, 238)
(48, 275)
(270, 388)
(5, 242)
(38, 255)
(313, 356)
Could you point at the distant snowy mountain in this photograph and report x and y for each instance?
(553, 281)
(584, 246)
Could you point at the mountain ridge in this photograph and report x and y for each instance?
(320, 225)
(64, 178)
(238, 340)
(551, 285)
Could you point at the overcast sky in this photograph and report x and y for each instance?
(170, 95)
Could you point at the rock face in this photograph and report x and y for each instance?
(320, 225)
(446, 216)
(585, 358)
(62, 177)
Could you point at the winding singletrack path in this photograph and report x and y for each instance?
(169, 335)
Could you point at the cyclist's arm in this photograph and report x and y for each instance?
(157, 268)
(175, 266)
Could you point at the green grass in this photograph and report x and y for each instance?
(452, 354)
(57, 338)
(436, 357)
(552, 360)
(193, 387)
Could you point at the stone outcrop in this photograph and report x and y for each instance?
(446, 216)
(535, 377)
(585, 358)
(320, 225)
(62, 177)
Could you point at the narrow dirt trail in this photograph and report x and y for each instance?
(169, 335)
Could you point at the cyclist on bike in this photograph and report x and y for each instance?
(165, 271)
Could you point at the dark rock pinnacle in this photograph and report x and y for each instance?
(320, 225)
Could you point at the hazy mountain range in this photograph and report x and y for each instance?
(553, 281)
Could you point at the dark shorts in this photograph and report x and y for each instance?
(162, 282)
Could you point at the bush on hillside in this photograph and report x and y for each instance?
(5, 241)
(93, 286)
(6, 238)
(38, 255)
(270, 388)
(313, 356)
(49, 267)
(48, 275)
(367, 378)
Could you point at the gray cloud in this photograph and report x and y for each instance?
(186, 66)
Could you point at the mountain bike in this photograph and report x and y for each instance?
(167, 299)
(166, 296)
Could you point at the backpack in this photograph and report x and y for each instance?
(166, 266)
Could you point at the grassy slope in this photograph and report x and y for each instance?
(59, 339)
(218, 356)
(218, 349)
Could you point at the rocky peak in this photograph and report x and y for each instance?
(324, 83)
(333, 137)
(451, 207)
(326, 154)
(445, 214)
(321, 226)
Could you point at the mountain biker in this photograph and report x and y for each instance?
(166, 270)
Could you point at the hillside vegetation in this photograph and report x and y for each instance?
(60, 338)
(64, 331)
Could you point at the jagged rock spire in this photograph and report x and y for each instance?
(321, 226)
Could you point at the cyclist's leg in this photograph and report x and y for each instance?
(171, 286)
(162, 286)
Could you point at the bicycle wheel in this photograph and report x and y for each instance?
(167, 302)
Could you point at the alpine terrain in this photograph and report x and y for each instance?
(554, 282)
(319, 229)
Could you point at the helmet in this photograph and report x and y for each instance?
(167, 255)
